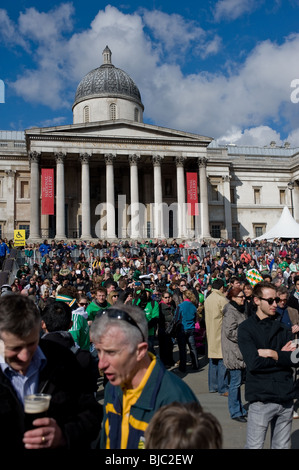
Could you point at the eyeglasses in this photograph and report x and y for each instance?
(271, 300)
(241, 296)
(115, 295)
(122, 315)
(166, 297)
(82, 303)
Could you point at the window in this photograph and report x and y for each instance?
(86, 114)
(136, 114)
(25, 227)
(215, 192)
(233, 195)
(112, 111)
(282, 196)
(257, 196)
(168, 187)
(25, 190)
(259, 229)
(236, 232)
(216, 231)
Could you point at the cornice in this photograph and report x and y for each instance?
(118, 140)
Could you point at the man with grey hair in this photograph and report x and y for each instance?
(138, 384)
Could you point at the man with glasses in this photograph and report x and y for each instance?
(288, 315)
(138, 382)
(266, 346)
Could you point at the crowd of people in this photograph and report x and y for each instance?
(203, 297)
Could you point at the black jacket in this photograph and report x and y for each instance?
(267, 380)
(77, 412)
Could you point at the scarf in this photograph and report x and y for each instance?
(240, 308)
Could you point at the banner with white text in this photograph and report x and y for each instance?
(47, 191)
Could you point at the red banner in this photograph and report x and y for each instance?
(47, 191)
(192, 198)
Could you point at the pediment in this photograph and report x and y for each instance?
(116, 130)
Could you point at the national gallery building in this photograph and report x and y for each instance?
(108, 175)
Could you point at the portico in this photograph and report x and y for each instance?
(117, 188)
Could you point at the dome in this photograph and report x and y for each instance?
(107, 81)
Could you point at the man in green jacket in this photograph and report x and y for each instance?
(138, 382)
(151, 309)
(98, 305)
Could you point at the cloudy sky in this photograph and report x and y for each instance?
(227, 69)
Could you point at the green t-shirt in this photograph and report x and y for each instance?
(93, 309)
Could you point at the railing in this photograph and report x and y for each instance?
(134, 252)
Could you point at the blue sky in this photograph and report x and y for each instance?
(226, 69)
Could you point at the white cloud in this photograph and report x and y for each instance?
(8, 31)
(46, 27)
(257, 136)
(293, 138)
(233, 9)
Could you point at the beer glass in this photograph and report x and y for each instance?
(35, 406)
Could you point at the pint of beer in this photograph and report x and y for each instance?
(35, 406)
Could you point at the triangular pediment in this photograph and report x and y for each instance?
(117, 129)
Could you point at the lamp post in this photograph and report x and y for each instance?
(291, 187)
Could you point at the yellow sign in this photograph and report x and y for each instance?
(19, 238)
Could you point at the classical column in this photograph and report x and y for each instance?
(181, 213)
(85, 196)
(60, 196)
(134, 192)
(227, 206)
(10, 201)
(204, 202)
(158, 207)
(34, 160)
(110, 203)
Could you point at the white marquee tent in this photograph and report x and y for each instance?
(286, 227)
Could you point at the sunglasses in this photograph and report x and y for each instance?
(122, 315)
(270, 300)
(82, 303)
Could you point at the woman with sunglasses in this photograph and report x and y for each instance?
(112, 297)
(233, 315)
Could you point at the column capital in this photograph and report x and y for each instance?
(134, 158)
(109, 158)
(60, 157)
(202, 162)
(226, 178)
(179, 161)
(34, 157)
(85, 157)
(10, 172)
(157, 160)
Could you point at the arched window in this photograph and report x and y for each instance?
(112, 111)
(136, 115)
(86, 114)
